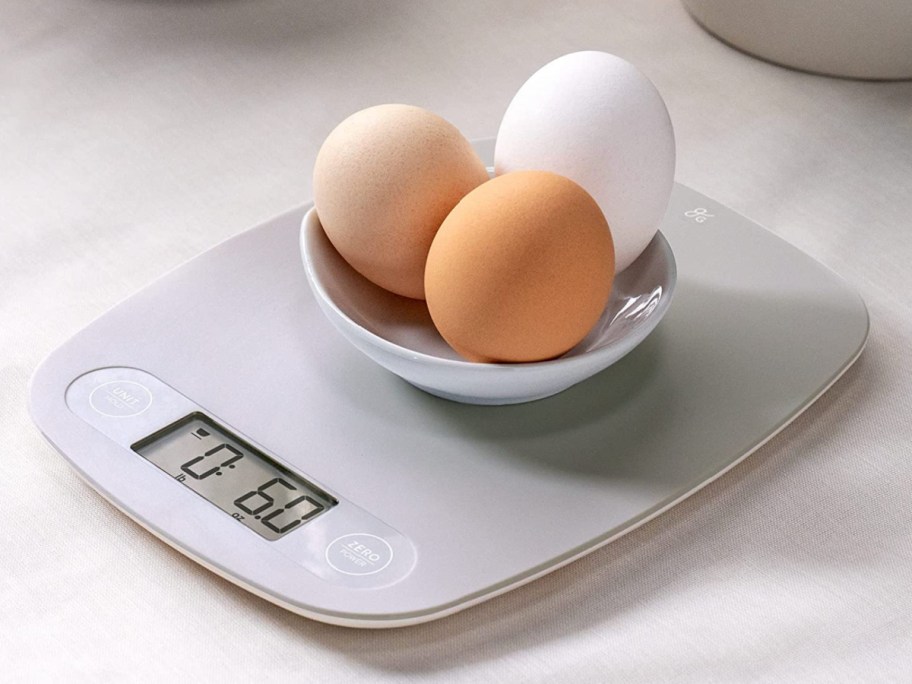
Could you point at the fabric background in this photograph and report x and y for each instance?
(135, 134)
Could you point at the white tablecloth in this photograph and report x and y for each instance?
(135, 134)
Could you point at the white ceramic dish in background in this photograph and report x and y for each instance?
(857, 39)
(398, 333)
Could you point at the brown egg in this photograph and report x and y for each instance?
(521, 269)
(384, 180)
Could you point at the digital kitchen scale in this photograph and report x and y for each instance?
(222, 412)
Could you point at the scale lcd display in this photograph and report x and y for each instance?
(228, 472)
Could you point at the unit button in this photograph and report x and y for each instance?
(359, 553)
(120, 399)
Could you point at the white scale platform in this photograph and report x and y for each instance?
(440, 505)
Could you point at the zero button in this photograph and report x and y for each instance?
(359, 554)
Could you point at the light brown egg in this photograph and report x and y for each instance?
(521, 269)
(384, 181)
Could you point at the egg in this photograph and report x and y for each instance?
(596, 119)
(521, 269)
(383, 182)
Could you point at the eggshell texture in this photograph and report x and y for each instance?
(521, 269)
(383, 182)
(596, 119)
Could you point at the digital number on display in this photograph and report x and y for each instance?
(234, 476)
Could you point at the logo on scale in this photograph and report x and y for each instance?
(120, 399)
(700, 214)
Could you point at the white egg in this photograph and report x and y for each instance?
(596, 119)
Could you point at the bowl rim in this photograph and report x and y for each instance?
(584, 359)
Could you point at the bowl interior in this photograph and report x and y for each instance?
(640, 294)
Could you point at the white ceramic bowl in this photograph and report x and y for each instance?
(855, 38)
(398, 333)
